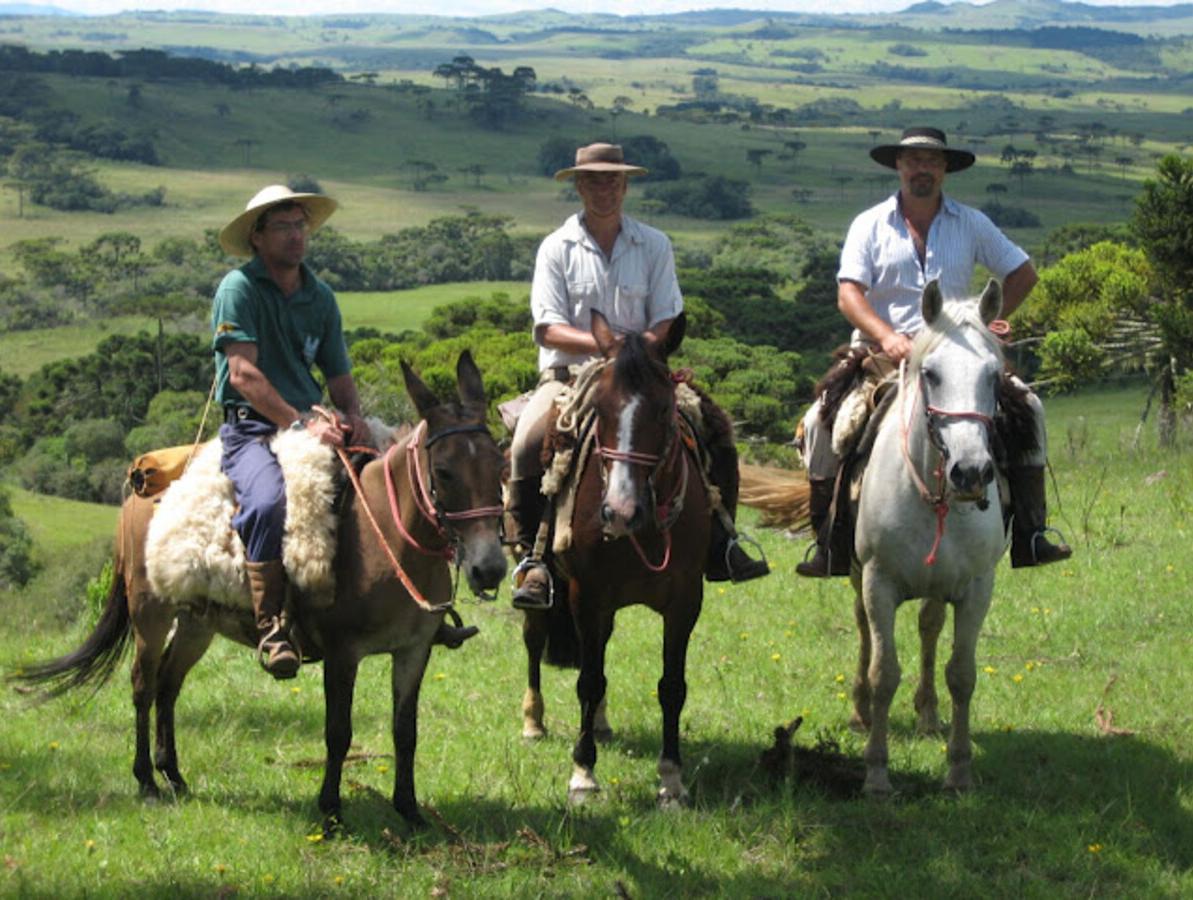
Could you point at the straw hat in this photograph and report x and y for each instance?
(599, 158)
(235, 236)
(923, 139)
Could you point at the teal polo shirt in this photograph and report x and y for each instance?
(292, 334)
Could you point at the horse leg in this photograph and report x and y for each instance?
(881, 600)
(678, 622)
(534, 636)
(188, 645)
(961, 674)
(150, 629)
(602, 731)
(590, 689)
(933, 612)
(406, 680)
(339, 683)
(859, 721)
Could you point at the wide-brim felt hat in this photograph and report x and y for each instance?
(923, 139)
(234, 237)
(599, 158)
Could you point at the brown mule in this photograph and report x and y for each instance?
(372, 613)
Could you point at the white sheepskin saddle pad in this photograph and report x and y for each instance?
(192, 552)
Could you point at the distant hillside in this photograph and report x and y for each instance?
(30, 9)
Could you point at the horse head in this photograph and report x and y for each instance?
(636, 427)
(957, 363)
(464, 466)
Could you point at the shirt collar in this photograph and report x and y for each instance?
(948, 206)
(256, 268)
(575, 231)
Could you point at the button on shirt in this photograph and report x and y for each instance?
(879, 254)
(635, 289)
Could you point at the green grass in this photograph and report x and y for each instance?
(24, 352)
(397, 311)
(57, 525)
(1061, 808)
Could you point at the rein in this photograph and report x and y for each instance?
(426, 504)
(932, 414)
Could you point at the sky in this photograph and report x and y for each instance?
(487, 7)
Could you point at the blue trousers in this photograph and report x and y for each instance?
(260, 488)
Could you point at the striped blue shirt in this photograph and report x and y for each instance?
(879, 254)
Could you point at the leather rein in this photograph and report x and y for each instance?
(426, 504)
(933, 415)
(667, 512)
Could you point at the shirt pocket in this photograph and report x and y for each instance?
(629, 312)
(583, 296)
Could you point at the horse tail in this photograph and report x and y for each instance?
(563, 641)
(94, 661)
(781, 495)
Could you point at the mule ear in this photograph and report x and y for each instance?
(674, 335)
(424, 400)
(931, 301)
(990, 303)
(607, 342)
(469, 385)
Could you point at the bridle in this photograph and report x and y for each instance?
(934, 416)
(427, 505)
(667, 512)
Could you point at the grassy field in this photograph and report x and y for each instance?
(1082, 731)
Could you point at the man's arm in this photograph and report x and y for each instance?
(344, 395)
(1016, 287)
(250, 382)
(851, 300)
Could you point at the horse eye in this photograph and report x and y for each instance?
(932, 377)
(443, 475)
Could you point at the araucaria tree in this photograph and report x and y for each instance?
(1164, 223)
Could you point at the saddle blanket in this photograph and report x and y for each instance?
(192, 552)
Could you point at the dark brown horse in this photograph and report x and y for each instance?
(640, 533)
(373, 612)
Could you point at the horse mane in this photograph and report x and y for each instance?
(954, 316)
(634, 365)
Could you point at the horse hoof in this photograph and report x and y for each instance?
(533, 732)
(877, 786)
(333, 825)
(667, 801)
(602, 735)
(959, 780)
(858, 725)
(579, 796)
(148, 791)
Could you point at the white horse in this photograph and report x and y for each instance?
(930, 523)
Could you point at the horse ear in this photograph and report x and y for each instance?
(606, 340)
(674, 335)
(423, 399)
(990, 304)
(469, 385)
(931, 302)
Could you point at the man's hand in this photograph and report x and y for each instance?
(896, 346)
(356, 431)
(325, 431)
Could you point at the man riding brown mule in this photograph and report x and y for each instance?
(431, 499)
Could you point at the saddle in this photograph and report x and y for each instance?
(192, 553)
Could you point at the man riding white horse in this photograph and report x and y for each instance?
(892, 251)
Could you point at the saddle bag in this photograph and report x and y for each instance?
(152, 472)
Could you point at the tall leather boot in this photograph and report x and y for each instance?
(726, 560)
(830, 543)
(1029, 541)
(532, 578)
(267, 586)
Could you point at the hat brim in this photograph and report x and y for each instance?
(954, 160)
(234, 238)
(565, 174)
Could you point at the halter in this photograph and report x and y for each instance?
(933, 416)
(426, 503)
(668, 512)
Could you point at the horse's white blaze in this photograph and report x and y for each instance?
(621, 496)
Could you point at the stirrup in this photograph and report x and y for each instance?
(736, 540)
(529, 562)
(1046, 530)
